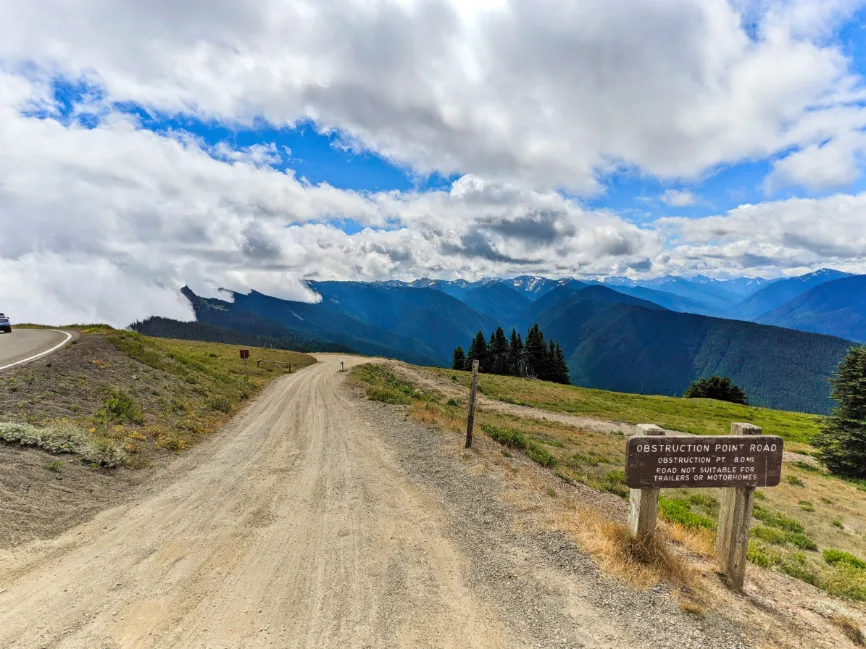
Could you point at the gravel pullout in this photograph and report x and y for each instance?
(547, 590)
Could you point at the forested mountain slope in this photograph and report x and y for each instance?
(837, 308)
(623, 345)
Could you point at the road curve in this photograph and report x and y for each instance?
(23, 345)
(291, 529)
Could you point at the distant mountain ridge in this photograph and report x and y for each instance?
(619, 337)
(775, 295)
(836, 307)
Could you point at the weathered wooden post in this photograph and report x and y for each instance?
(736, 463)
(735, 514)
(472, 389)
(341, 366)
(643, 504)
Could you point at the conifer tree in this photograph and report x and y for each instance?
(498, 352)
(515, 351)
(550, 358)
(536, 352)
(842, 440)
(478, 351)
(561, 371)
(458, 361)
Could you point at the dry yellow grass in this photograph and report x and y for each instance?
(850, 628)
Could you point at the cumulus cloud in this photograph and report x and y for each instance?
(550, 93)
(108, 222)
(794, 234)
(677, 198)
(518, 98)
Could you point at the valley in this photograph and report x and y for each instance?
(652, 337)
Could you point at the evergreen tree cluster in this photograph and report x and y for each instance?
(514, 357)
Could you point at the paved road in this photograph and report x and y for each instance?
(22, 344)
(292, 529)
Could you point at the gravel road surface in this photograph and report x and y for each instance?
(316, 519)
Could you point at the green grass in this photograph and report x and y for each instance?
(839, 557)
(698, 416)
(380, 384)
(777, 520)
(678, 510)
(517, 439)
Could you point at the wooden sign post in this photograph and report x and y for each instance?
(472, 389)
(341, 366)
(245, 354)
(735, 514)
(738, 463)
(643, 503)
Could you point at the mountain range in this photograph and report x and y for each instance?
(652, 337)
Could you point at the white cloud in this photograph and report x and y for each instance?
(107, 223)
(548, 93)
(517, 97)
(677, 198)
(794, 234)
(831, 165)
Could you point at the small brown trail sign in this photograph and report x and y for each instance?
(703, 462)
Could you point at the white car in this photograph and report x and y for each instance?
(5, 325)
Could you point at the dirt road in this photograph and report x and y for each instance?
(320, 520)
(293, 530)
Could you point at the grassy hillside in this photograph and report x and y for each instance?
(625, 346)
(272, 335)
(116, 398)
(812, 527)
(697, 416)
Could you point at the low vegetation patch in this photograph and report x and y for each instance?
(116, 397)
(63, 437)
(698, 416)
(679, 510)
(842, 558)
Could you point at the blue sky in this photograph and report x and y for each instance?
(256, 146)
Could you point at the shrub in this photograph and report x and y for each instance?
(63, 437)
(840, 557)
(537, 453)
(769, 534)
(119, 406)
(221, 404)
(795, 481)
(716, 387)
(801, 541)
(806, 506)
(846, 581)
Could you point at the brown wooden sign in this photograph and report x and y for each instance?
(245, 354)
(690, 462)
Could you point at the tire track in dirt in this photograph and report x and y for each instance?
(292, 529)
